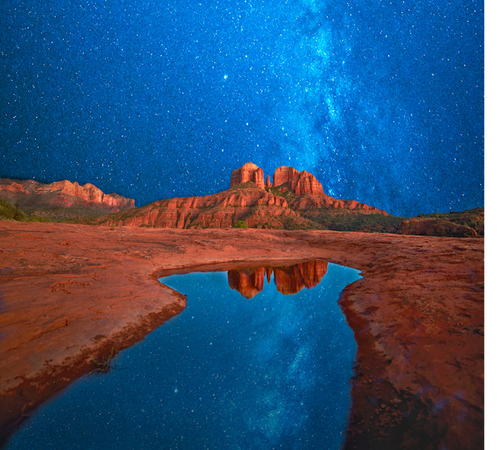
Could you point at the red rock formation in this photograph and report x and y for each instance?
(306, 184)
(249, 172)
(326, 202)
(258, 208)
(284, 175)
(29, 193)
(298, 182)
(268, 182)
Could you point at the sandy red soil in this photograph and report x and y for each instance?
(71, 295)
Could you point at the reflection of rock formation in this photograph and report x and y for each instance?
(247, 282)
(288, 279)
(292, 279)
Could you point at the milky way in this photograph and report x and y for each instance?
(382, 101)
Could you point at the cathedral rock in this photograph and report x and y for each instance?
(285, 178)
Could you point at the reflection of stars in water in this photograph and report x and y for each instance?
(264, 394)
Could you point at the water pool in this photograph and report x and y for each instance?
(261, 358)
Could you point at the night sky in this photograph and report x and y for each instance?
(381, 100)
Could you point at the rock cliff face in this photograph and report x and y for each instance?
(300, 183)
(32, 194)
(284, 175)
(257, 207)
(295, 200)
(249, 172)
(288, 279)
(286, 178)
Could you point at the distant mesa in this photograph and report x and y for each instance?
(289, 280)
(61, 194)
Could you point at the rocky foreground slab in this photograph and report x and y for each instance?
(71, 296)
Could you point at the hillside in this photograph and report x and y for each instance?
(294, 200)
(62, 199)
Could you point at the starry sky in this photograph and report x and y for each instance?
(383, 101)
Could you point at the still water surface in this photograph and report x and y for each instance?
(242, 367)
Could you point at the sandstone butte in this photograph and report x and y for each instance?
(75, 294)
(292, 201)
(32, 194)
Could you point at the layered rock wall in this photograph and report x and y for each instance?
(299, 183)
(284, 175)
(29, 193)
(258, 206)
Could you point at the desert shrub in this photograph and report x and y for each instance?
(365, 223)
(240, 224)
(10, 212)
(38, 219)
(473, 218)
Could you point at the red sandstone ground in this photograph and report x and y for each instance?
(71, 295)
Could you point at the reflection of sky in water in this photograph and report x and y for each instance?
(228, 372)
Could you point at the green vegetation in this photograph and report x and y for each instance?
(39, 219)
(471, 218)
(436, 215)
(368, 223)
(12, 212)
(287, 195)
(240, 224)
(246, 185)
(342, 220)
